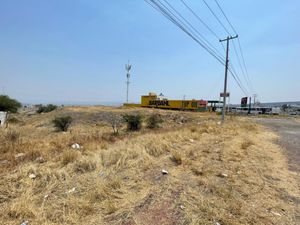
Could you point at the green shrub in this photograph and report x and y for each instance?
(47, 108)
(9, 105)
(62, 123)
(154, 121)
(134, 122)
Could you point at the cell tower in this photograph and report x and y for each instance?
(128, 68)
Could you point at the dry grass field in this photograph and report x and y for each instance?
(217, 174)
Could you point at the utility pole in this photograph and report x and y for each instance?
(226, 72)
(249, 110)
(128, 68)
(254, 102)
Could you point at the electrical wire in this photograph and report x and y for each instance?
(224, 27)
(217, 18)
(195, 14)
(205, 40)
(170, 16)
(165, 11)
(216, 1)
(239, 44)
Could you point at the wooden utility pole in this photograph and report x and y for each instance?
(226, 72)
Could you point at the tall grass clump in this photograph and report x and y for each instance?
(154, 121)
(134, 122)
(62, 123)
(13, 136)
(69, 157)
(176, 158)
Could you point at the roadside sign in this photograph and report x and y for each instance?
(222, 95)
(244, 102)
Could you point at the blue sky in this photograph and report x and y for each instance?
(75, 50)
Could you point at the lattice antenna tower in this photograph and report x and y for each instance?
(128, 68)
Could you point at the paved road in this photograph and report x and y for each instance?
(289, 131)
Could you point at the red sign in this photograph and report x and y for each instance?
(203, 103)
(222, 95)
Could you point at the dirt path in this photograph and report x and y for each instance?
(289, 131)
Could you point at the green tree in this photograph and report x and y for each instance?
(9, 105)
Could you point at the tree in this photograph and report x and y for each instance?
(9, 105)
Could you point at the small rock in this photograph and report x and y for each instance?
(46, 196)
(276, 214)
(224, 175)
(19, 155)
(4, 162)
(191, 140)
(25, 223)
(182, 207)
(75, 146)
(32, 176)
(40, 159)
(71, 190)
(217, 223)
(164, 172)
(101, 174)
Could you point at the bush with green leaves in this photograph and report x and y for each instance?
(134, 122)
(47, 108)
(154, 121)
(62, 123)
(8, 104)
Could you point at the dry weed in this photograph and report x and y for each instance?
(129, 187)
(176, 157)
(84, 166)
(69, 156)
(110, 207)
(246, 144)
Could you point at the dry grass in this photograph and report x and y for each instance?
(230, 174)
(69, 156)
(246, 144)
(84, 166)
(176, 157)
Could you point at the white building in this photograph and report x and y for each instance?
(2, 118)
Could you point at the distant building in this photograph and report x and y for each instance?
(2, 118)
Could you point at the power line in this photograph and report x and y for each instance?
(240, 64)
(170, 16)
(205, 40)
(165, 11)
(193, 12)
(224, 27)
(225, 16)
(242, 54)
(239, 44)
(217, 18)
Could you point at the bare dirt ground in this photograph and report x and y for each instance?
(289, 131)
